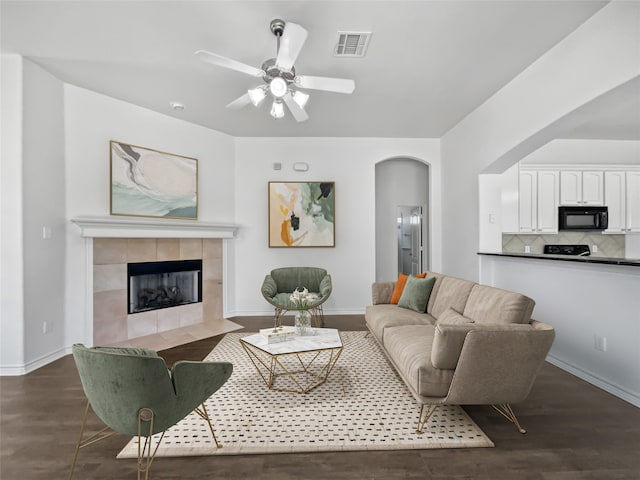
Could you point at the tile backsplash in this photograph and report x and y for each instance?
(612, 246)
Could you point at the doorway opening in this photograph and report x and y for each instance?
(402, 197)
(410, 260)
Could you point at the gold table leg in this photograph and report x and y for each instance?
(270, 367)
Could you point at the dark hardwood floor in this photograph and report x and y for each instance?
(575, 431)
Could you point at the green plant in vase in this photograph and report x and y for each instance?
(303, 300)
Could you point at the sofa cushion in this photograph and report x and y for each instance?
(449, 338)
(434, 291)
(416, 294)
(452, 292)
(452, 317)
(380, 317)
(494, 305)
(409, 347)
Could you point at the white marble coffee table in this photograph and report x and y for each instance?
(296, 365)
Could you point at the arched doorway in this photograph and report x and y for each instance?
(402, 193)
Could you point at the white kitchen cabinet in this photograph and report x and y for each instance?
(622, 197)
(581, 187)
(548, 198)
(538, 201)
(633, 201)
(615, 198)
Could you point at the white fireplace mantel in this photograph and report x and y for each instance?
(110, 227)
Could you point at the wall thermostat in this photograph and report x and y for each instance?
(301, 166)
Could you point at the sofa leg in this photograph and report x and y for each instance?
(506, 411)
(422, 419)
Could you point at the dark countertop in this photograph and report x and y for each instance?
(633, 262)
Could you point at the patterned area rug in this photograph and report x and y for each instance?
(364, 405)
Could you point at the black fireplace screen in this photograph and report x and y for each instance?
(154, 285)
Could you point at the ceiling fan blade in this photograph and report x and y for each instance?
(296, 110)
(291, 43)
(219, 60)
(240, 102)
(338, 85)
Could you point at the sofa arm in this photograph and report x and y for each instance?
(381, 292)
(499, 365)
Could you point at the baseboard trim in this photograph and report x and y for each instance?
(632, 398)
(17, 370)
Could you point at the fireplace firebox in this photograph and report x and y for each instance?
(155, 285)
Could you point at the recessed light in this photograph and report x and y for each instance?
(177, 106)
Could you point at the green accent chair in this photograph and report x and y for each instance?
(281, 282)
(133, 393)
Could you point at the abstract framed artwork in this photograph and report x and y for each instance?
(302, 214)
(151, 183)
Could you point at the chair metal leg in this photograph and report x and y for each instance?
(318, 316)
(505, 410)
(427, 415)
(202, 411)
(83, 442)
(277, 319)
(145, 456)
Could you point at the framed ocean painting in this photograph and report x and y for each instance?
(151, 183)
(302, 214)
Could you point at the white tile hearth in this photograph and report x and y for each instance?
(180, 336)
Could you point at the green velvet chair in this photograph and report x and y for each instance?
(133, 393)
(278, 286)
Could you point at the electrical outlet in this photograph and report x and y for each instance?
(527, 249)
(600, 343)
(594, 248)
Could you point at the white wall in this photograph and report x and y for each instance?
(11, 268)
(32, 197)
(43, 207)
(586, 152)
(91, 120)
(597, 57)
(350, 162)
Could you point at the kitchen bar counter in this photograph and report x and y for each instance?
(633, 262)
(594, 306)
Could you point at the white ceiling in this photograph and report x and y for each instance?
(429, 63)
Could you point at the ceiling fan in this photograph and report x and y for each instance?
(279, 74)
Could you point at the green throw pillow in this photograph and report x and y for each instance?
(416, 293)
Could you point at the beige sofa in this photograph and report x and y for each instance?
(474, 344)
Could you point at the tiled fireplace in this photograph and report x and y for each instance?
(112, 322)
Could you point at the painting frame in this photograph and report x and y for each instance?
(301, 214)
(145, 182)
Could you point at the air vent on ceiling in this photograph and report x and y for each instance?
(352, 44)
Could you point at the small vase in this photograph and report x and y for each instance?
(303, 323)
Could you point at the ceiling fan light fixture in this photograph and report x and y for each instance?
(300, 98)
(277, 109)
(278, 87)
(257, 95)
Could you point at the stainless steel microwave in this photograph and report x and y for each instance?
(583, 218)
